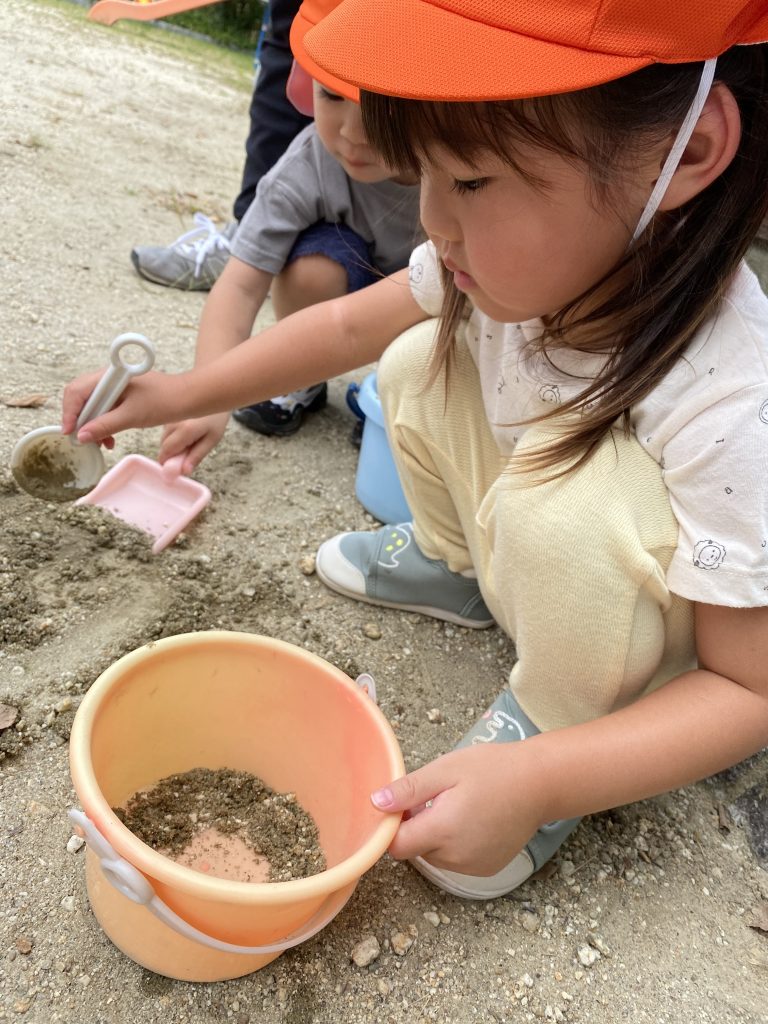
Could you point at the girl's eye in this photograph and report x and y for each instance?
(472, 185)
(332, 96)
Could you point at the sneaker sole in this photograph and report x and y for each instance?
(449, 882)
(418, 609)
(166, 284)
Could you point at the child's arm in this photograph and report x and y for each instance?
(316, 343)
(228, 317)
(490, 798)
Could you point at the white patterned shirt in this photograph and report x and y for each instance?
(705, 424)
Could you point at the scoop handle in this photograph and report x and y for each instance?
(116, 377)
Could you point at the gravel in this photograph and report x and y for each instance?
(110, 138)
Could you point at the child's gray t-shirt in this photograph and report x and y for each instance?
(308, 185)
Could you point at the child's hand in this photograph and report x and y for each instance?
(147, 402)
(76, 394)
(193, 439)
(486, 803)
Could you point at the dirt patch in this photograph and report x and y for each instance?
(101, 132)
(228, 824)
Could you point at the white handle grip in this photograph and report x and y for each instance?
(116, 377)
(132, 884)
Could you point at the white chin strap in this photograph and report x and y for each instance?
(678, 148)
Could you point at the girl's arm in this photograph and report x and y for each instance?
(489, 799)
(228, 317)
(230, 310)
(316, 343)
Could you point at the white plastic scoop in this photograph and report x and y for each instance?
(56, 467)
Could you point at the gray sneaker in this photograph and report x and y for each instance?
(387, 568)
(193, 262)
(503, 722)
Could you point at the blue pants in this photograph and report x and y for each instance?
(342, 245)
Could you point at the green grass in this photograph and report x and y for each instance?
(231, 66)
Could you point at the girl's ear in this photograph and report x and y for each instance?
(711, 148)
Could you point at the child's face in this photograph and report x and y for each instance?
(517, 251)
(340, 126)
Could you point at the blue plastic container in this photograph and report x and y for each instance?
(377, 484)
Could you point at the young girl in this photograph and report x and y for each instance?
(581, 435)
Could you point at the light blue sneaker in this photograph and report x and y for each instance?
(387, 568)
(503, 722)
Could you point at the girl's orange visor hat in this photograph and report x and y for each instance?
(468, 50)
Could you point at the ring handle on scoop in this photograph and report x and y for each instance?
(116, 377)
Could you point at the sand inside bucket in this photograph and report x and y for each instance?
(226, 824)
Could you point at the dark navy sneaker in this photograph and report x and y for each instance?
(283, 415)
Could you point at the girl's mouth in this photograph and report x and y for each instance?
(463, 281)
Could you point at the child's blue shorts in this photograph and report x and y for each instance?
(342, 245)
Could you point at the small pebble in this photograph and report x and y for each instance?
(529, 919)
(23, 945)
(372, 631)
(384, 987)
(366, 951)
(401, 942)
(431, 917)
(75, 844)
(435, 715)
(68, 903)
(588, 955)
(599, 943)
(307, 565)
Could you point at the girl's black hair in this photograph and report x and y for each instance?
(671, 281)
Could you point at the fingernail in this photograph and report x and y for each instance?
(382, 798)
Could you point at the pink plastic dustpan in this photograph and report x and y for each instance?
(150, 497)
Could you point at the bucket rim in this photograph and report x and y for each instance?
(369, 401)
(187, 880)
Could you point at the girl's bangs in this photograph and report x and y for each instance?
(406, 132)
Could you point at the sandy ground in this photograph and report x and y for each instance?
(107, 140)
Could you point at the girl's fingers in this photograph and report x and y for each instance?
(416, 836)
(76, 395)
(406, 793)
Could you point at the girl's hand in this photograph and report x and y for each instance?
(148, 401)
(193, 439)
(486, 801)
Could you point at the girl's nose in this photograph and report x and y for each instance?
(436, 217)
(352, 126)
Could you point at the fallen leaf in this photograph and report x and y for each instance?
(758, 918)
(724, 819)
(8, 716)
(26, 401)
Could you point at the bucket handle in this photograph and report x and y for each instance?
(129, 881)
(133, 884)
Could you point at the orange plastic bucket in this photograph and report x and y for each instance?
(239, 701)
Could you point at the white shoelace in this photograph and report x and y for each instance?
(302, 397)
(201, 241)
